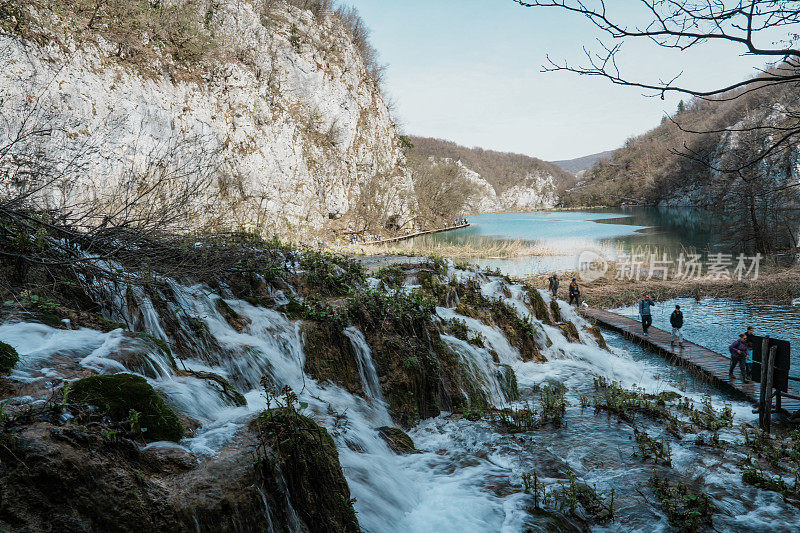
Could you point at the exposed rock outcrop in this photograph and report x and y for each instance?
(280, 126)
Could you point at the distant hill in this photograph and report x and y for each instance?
(498, 181)
(583, 163)
(663, 166)
(503, 170)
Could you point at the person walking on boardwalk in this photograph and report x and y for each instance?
(748, 363)
(676, 320)
(644, 312)
(574, 292)
(554, 285)
(738, 355)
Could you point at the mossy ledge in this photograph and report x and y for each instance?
(8, 358)
(121, 394)
(295, 449)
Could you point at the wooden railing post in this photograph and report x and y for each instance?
(762, 374)
(765, 420)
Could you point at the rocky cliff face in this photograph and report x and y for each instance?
(280, 127)
(535, 192)
(500, 181)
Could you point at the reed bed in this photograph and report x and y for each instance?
(471, 248)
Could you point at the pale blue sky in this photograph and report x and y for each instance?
(469, 71)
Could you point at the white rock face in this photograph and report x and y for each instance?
(538, 192)
(281, 136)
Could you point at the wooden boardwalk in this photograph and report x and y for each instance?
(417, 234)
(712, 365)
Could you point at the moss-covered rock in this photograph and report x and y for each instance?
(293, 447)
(8, 358)
(508, 382)
(570, 331)
(236, 321)
(538, 306)
(598, 335)
(120, 394)
(330, 355)
(555, 310)
(398, 440)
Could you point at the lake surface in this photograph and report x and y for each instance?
(716, 322)
(563, 235)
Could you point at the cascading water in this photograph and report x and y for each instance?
(468, 474)
(366, 367)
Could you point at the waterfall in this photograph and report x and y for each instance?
(467, 477)
(366, 367)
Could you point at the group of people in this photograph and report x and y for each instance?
(361, 239)
(574, 289)
(460, 221)
(741, 350)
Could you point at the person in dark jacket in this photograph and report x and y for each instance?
(554, 281)
(644, 312)
(574, 292)
(748, 362)
(738, 355)
(676, 320)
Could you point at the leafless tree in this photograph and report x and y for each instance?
(761, 28)
(441, 188)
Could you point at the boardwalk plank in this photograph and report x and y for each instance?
(709, 362)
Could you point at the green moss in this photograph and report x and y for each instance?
(538, 306)
(397, 439)
(570, 331)
(329, 355)
(294, 447)
(508, 382)
(8, 358)
(555, 310)
(119, 394)
(236, 321)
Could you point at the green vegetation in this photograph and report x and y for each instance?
(141, 31)
(8, 358)
(686, 509)
(119, 395)
(330, 274)
(392, 275)
(294, 447)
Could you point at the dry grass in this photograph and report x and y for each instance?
(471, 249)
(777, 285)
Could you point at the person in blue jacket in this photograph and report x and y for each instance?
(644, 312)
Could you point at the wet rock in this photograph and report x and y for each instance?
(555, 310)
(236, 321)
(570, 331)
(120, 395)
(597, 334)
(297, 453)
(8, 358)
(88, 478)
(398, 440)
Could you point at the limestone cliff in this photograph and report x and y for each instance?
(500, 181)
(271, 120)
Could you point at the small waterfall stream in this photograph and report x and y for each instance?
(366, 367)
(468, 476)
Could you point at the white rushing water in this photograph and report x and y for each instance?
(468, 474)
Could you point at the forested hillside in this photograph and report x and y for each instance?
(670, 164)
(498, 181)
